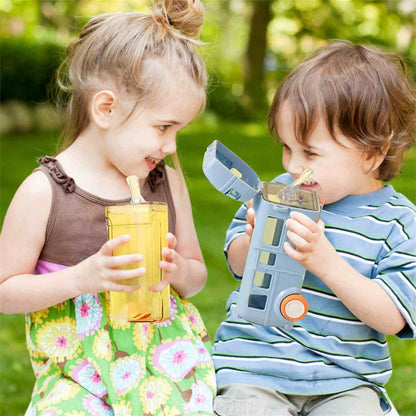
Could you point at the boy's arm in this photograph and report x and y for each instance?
(364, 297)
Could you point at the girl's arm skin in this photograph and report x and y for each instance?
(363, 297)
(21, 242)
(184, 265)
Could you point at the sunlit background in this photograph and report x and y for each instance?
(249, 47)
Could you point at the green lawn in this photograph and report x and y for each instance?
(212, 214)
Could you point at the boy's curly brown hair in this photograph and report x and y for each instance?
(362, 92)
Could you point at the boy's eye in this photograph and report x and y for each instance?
(308, 153)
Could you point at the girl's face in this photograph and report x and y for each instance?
(149, 135)
(339, 169)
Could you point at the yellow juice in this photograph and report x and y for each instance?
(147, 225)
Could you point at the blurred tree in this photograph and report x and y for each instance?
(254, 88)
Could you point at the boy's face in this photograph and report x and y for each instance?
(339, 169)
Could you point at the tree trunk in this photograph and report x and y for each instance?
(254, 89)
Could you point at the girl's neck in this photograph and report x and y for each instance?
(86, 162)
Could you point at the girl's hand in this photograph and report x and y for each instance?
(250, 218)
(312, 249)
(174, 265)
(100, 273)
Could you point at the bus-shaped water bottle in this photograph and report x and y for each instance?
(271, 285)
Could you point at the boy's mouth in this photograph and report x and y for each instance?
(309, 184)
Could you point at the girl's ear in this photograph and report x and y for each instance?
(102, 108)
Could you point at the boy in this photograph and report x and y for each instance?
(348, 113)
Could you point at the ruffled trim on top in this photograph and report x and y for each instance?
(154, 179)
(58, 176)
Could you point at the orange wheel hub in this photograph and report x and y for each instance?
(294, 307)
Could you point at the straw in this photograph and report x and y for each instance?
(136, 196)
(287, 193)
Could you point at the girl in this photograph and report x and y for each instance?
(136, 80)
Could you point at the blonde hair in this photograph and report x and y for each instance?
(133, 50)
(360, 90)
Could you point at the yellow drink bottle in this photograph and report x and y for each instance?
(147, 225)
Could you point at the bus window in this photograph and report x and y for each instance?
(257, 301)
(272, 231)
(267, 258)
(262, 279)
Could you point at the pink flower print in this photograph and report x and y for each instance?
(88, 313)
(96, 407)
(126, 373)
(203, 354)
(88, 377)
(84, 309)
(201, 398)
(176, 358)
(173, 312)
(192, 319)
(61, 342)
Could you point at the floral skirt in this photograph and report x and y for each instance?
(86, 364)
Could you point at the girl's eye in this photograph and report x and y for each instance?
(285, 146)
(164, 127)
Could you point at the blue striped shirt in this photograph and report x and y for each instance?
(330, 350)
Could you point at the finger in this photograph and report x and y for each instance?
(171, 239)
(110, 245)
(123, 288)
(168, 254)
(321, 225)
(249, 230)
(292, 253)
(167, 266)
(160, 286)
(122, 274)
(250, 216)
(305, 220)
(299, 229)
(250, 203)
(297, 241)
(116, 261)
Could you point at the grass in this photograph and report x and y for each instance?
(212, 214)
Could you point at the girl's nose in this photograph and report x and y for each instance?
(169, 147)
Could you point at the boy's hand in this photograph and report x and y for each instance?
(250, 217)
(174, 265)
(312, 249)
(100, 272)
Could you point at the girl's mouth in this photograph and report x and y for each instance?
(150, 162)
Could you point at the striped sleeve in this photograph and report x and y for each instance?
(396, 274)
(235, 230)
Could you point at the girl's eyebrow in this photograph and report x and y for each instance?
(173, 122)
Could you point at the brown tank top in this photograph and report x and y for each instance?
(77, 225)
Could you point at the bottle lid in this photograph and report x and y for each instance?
(229, 174)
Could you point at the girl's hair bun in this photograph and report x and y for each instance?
(186, 16)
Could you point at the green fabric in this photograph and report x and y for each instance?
(87, 364)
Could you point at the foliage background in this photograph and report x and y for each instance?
(242, 80)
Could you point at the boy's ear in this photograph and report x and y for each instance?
(102, 108)
(372, 161)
